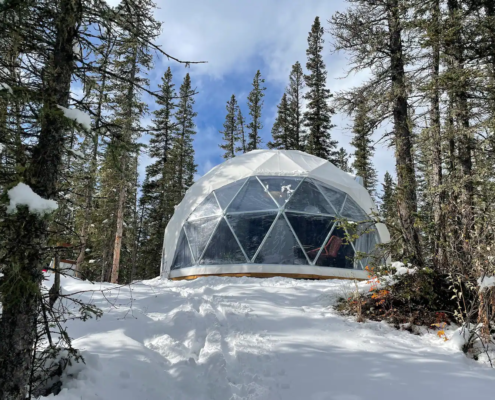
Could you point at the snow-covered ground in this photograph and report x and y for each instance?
(245, 338)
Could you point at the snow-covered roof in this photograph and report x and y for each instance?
(259, 163)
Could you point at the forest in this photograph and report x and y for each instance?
(73, 76)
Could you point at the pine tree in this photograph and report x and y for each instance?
(182, 153)
(318, 114)
(255, 104)
(295, 99)
(131, 57)
(240, 132)
(388, 208)
(155, 203)
(230, 129)
(360, 31)
(363, 154)
(281, 131)
(342, 160)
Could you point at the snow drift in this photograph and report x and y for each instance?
(245, 338)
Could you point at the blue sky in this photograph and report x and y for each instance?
(238, 37)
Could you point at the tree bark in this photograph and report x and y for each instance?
(406, 179)
(436, 144)
(123, 167)
(20, 284)
(92, 173)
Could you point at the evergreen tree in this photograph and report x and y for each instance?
(342, 160)
(230, 129)
(281, 131)
(155, 203)
(240, 132)
(318, 114)
(182, 153)
(295, 99)
(388, 207)
(255, 104)
(372, 44)
(363, 164)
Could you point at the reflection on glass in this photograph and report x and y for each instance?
(251, 229)
(281, 247)
(306, 208)
(223, 248)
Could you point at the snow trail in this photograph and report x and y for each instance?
(245, 338)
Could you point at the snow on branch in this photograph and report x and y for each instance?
(78, 116)
(4, 86)
(486, 282)
(22, 194)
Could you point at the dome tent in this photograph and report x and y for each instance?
(272, 212)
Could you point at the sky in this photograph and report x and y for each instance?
(236, 38)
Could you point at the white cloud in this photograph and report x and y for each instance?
(237, 38)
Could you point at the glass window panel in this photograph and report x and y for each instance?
(223, 248)
(334, 196)
(281, 188)
(251, 229)
(311, 231)
(227, 193)
(309, 199)
(198, 232)
(366, 242)
(252, 197)
(338, 252)
(207, 208)
(352, 211)
(183, 258)
(281, 247)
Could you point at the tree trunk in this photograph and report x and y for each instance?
(127, 135)
(20, 284)
(118, 234)
(92, 172)
(406, 179)
(436, 145)
(461, 118)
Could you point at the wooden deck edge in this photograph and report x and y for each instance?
(265, 275)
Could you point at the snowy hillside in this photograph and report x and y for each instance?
(244, 338)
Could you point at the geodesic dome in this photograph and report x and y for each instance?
(273, 212)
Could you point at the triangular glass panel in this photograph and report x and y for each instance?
(183, 257)
(281, 188)
(281, 246)
(198, 232)
(223, 247)
(337, 252)
(352, 211)
(227, 193)
(251, 229)
(252, 197)
(310, 200)
(311, 231)
(334, 196)
(207, 208)
(366, 243)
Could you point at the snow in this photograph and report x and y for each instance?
(486, 282)
(22, 194)
(244, 338)
(4, 86)
(77, 49)
(77, 153)
(2, 146)
(401, 269)
(78, 116)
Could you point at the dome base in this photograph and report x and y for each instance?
(268, 271)
(265, 275)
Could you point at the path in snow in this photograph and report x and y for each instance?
(245, 338)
